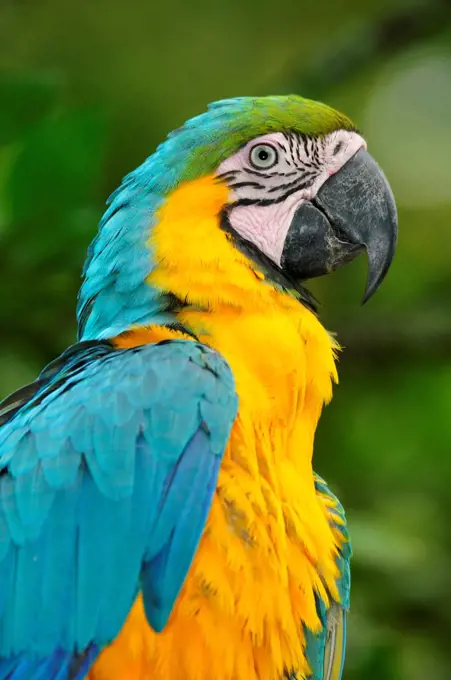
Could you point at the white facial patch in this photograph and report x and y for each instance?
(274, 174)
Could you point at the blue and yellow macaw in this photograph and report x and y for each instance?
(159, 515)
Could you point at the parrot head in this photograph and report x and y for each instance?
(303, 197)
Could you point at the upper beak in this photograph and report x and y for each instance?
(353, 210)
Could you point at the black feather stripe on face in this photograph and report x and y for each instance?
(301, 158)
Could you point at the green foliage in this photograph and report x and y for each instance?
(61, 187)
(35, 91)
(87, 91)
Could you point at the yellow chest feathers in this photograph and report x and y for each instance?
(267, 547)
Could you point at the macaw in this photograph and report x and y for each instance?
(160, 518)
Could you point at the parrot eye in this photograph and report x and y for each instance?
(263, 156)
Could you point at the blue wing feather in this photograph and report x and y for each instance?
(108, 468)
(178, 527)
(326, 650)
(58, 666)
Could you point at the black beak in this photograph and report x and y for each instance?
(353, 211)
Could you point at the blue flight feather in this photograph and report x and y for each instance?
(108, 468)
(58, 666)
(321, 648)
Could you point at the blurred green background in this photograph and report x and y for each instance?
(87, 90)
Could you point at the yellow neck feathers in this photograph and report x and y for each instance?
(269, 338)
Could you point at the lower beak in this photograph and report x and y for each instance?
(353, 211)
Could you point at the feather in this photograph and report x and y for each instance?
(108, 476)
(326, 650)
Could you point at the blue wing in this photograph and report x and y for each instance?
(107, 473)
(326, 650)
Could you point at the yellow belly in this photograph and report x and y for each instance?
(251, 584)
